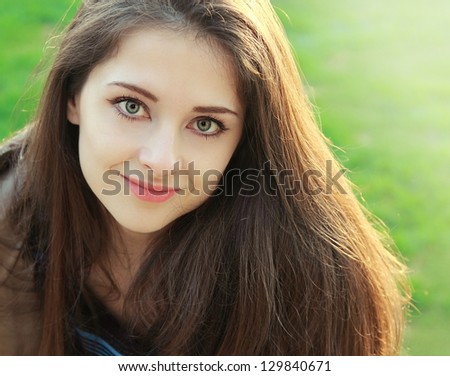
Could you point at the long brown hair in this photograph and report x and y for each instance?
(292, 268)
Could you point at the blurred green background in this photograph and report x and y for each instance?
(379, 74)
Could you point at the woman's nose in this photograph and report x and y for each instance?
(161, 153)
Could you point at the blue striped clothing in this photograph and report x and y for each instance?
(94, 345)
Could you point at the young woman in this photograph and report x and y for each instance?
(175, 196)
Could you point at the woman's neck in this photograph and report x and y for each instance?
(111, 277)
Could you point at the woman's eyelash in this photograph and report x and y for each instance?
(125, 98)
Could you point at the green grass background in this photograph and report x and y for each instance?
(379, 74)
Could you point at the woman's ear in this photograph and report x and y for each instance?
(73, 113)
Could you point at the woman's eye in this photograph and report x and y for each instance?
(131, 107)
(207, 126)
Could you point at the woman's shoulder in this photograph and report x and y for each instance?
(10, 150)
(9, 155)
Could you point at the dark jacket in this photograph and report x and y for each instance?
(20, 308)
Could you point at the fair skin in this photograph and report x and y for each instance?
(165, 100)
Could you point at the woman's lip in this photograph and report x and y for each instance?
(156, 188)
(149, 193)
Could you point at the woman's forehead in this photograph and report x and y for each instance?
(167, 61)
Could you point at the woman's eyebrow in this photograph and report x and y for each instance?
(135, 88)
(154, 98)
(215, 110)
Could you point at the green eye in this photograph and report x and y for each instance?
(132, 107)
(204, 125)
(207, 126)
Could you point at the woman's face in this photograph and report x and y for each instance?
(159, 123)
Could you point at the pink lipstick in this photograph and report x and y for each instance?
(149, 193)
